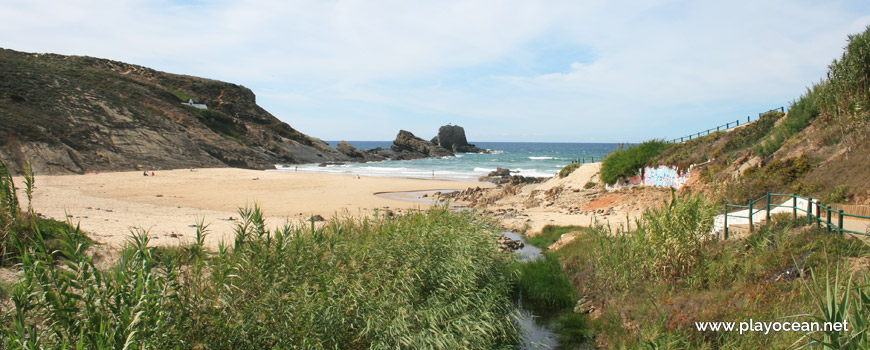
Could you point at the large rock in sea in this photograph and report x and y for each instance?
(356, 154)
(408, 146)
(452, 137)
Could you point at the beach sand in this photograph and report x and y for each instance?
(168, 205)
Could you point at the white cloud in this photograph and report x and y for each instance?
(647, 68)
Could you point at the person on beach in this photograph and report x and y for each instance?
(145, 173)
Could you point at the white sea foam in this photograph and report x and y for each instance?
(541, 158)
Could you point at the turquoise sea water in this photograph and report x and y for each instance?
(527, 158)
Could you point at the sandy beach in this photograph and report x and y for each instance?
(109, 205)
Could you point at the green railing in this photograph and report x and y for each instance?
(584, 160)
(727, 126)
(812, 217)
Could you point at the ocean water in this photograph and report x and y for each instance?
(526, 158)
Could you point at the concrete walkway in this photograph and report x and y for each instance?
(759, 215)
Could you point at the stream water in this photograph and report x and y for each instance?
(535, 332)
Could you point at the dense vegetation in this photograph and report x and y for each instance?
(18, 228)
(624, 163)
(651, 284)
(423, 280)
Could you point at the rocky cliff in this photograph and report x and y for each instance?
(70, 114)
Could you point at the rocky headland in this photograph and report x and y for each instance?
(75, 115)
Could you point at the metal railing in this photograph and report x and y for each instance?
(726, 126)
(584, 160)
(817, 217)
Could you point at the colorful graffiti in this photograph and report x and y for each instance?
(664, 176)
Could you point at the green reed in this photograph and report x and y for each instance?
(423, 280)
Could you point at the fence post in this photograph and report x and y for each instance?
(738, 122)
(829, 218)
(726, 221)
(794, 206)
(782, 109)
(717, 128)
(818, 214)
(840, 222)
(747, 117)
(751, 226)
(809, 211)
(767, 208)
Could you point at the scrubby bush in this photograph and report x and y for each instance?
(568, 169)
(624, 163)
(800, 114)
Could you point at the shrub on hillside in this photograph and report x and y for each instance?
(624, 163)
(800, 114)
(568, 169)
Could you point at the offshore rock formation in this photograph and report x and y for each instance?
(452, 137)
(408, 146)
(357, 155)
(71, 114)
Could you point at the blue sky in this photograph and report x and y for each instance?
(560, 71)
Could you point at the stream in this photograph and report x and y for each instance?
(536, 334)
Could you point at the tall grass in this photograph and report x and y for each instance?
(18, 227)
(624, 163)
(843, 98)
(425, 280)
(666, 245)
(544, 286)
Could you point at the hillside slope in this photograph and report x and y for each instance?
(819, 148)
(70, 114)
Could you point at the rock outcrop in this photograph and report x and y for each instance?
(452, 137)
(504, 243)
(502, 176)
(356, 154)
(72, 114)
(408, 146)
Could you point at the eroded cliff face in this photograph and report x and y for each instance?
(70, 114)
